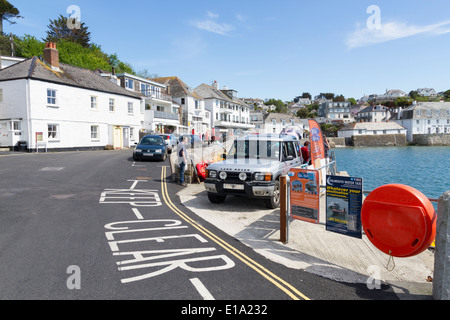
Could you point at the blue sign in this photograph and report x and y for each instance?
(344, 203)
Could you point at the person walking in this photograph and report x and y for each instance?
(182, 159)
(305, 152)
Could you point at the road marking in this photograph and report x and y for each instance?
(137, 214)
(206, 295)
(277, 281)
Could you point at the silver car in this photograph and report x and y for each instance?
(170, 140)
(253, 167)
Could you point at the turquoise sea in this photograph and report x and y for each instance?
(426, 169)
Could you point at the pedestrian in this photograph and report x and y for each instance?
(326, 147)
(305, 152)
(182, 159)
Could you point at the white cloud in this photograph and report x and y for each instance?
(211, 25)
(392, 31)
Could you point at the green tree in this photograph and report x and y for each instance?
(28, 46)
(352, 101)
(59, 30)
(7, 12)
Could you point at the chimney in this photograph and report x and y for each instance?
(51, 55)
(216, 85)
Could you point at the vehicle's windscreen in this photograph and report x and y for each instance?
(152, 141)
(255, 149)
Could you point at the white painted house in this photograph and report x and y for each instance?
(61, 107)
(371, 128)
(425, 118)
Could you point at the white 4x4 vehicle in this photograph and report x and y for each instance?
(253, 167)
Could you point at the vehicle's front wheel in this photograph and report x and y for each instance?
(274, 201)
(214, 198)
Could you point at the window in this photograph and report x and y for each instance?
(132, 134)
(196, 104)
(1, 95)
(183, 100)
(94, 132)
(130, 108)
(93, 103)
(129, 84)
(53, 131)
(51, 96)
(15, 125)
(112, 105)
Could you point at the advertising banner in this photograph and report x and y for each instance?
(316, 139)
(304, 195)
(344, 203)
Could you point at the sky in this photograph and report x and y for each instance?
(268, 49)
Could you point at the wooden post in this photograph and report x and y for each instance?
(283, 208)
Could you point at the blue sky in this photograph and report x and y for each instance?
(269, 49)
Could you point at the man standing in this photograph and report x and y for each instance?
(182, 159)
(305, 152)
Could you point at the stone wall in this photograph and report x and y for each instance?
(431, 139)
(337, 142)
(385, 140)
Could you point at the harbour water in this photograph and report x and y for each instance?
(426, 169)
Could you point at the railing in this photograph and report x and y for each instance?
(157, 95)
(166, 115)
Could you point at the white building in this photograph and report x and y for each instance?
(62, 107)
(276, 123)
(161, 114)
(425, 118)
(194, 116)
(336, 112)
(227, 112)
(371, 128)
(373, 114)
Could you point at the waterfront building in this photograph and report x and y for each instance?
(161, 114)
(371, 129)
(266, 123)
(227, 112)
(425, 118)
(57, 106)
(373, 114)
(194, 116)
(427, 92)
(336, 112)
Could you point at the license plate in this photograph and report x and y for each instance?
(233, 186)
(148, 154)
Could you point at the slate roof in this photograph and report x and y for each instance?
(178, 89)
(372, 126)
(35, 69)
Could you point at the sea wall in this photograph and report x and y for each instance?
(431, 139)
(337, 142)
(385, 140)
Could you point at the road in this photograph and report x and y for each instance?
(97, 225)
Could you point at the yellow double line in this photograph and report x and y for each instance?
(277, 281)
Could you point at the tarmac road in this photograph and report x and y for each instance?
(97, 225)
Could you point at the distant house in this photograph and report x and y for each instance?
(427, 92)
(6, 61)
(61, 107)
(373, 114)
(336, 112)
(276, 123)
(425, 118)
(371, 128)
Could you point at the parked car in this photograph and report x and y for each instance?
(150, 147)
(252, 168)
(170, 140)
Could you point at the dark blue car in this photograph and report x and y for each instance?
(150, 147)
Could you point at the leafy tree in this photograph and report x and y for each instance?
(447, 95)
(28, 46)
(352, 101)
(403, 102)
(339, 98)
(7, 12)
(59, 30)
(413, 94)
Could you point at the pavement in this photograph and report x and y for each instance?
(311, 248)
